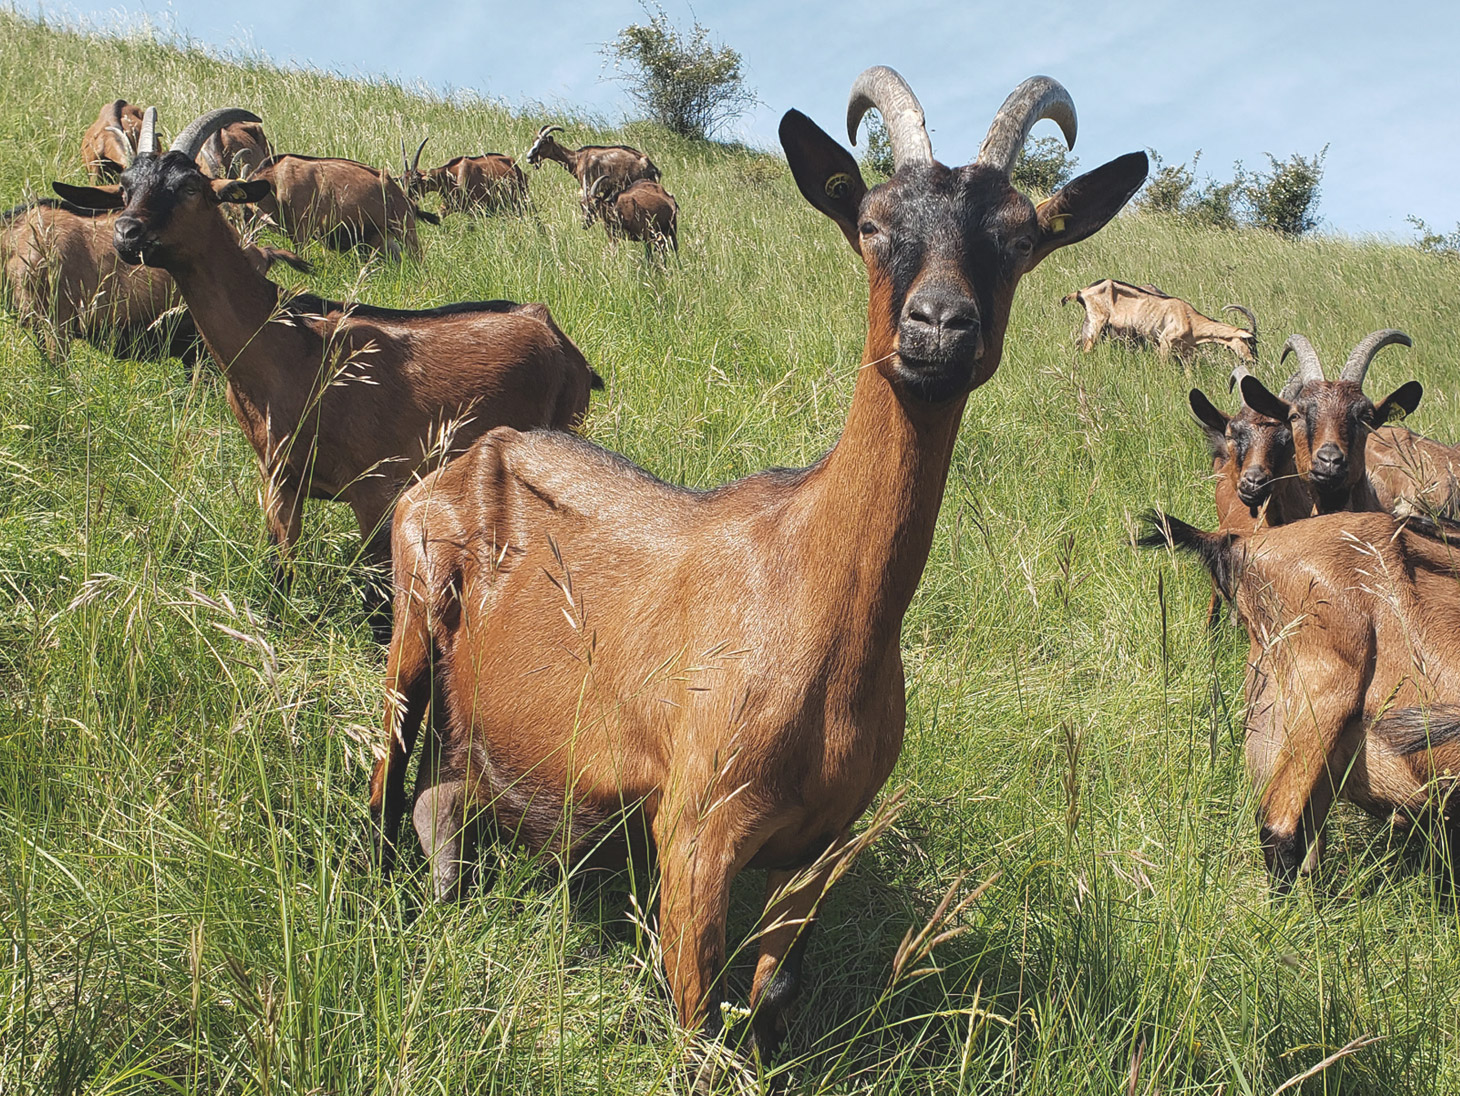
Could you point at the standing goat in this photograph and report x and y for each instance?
(467, 184)
(618, 165)
(110, 142)
(1353, 676)
(340, 401)
(1146, 314)
(341, 202)
(1332, 422)
(645, 211)
(721, 668)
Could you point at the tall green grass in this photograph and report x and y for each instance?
(184, 904)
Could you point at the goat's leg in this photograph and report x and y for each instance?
(283, 505)
(374, 518)
(695, 866)
(785, 929)
(408, 683)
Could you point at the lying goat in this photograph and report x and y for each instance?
(1145, 314)
(644, 211)
(1353, 676)
(340, 401)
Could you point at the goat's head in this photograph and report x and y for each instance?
(543, 145)
(1245, 345)
(1252, 449)
(412, 180)
(945, 247)
(1331, 420)
(162, 197)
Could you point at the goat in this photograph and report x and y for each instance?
(341, 202)
(1146, 314)
(618, 165)
(235, 151)
(728, 674)
(1353, 675)
(644, 211)
(65, 280)
(467, 184)
(1332, 422)
(110, 142)
(339, 401)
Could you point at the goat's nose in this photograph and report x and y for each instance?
(1328, 462)
(941, 310)
(128, 233)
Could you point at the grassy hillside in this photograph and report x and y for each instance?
(183, 902)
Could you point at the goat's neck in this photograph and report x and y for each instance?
(231, 303)
(880, 490)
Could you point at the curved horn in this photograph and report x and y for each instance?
(416, 162)
(1036, 98)
(128, 152)
(1251, 317)
(405, 160)
(1358, 361)
(211, 154)
(1310, 369)
(881, 88)
(548, 129)
(147, 139)
(1237, 374)
(191, 139)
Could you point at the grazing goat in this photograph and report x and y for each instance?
(721, 668)
(618, 165)
(645, 211)
(488, 183)
(1146, 314)
(1332, 422)
(111, 141)
(65, 280)
(1353, 676)
(341, 202)
(1257, 484)
(340, 401)
(235, 151)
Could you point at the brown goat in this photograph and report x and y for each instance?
(235, 151)
(1146, 314)
(720, 668)
(1332, 421)
(110, 142)
(489, 183)
(645, 211)
(1353, 676)
(65, 280)
(618, 165)
(341, 202)
(340, 401)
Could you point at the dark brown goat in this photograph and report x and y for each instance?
(1144, 313)
(339, 401)
(65, 280)
(1353, 676)
(111, 141)
(721, 668)
(645, 211)
(344, 203)
(235, 151)
(1332, 421)
(489, 183)
(618, 165)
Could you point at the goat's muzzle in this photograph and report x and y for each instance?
(939, 327)
(1253, 488)
(1330, 467)
(131, 240)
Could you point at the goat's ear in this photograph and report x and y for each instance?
(1399, 403)
(1213, 422)
(826, 173)
(241, 191)
(1083, 206)
(91, 197)
(1256, 396)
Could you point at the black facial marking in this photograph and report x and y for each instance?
(152, 187)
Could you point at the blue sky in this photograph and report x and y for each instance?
(1377, 83)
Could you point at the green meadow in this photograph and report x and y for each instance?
(185, 899)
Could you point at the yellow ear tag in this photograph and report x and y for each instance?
(838, 185)
(1057, 222)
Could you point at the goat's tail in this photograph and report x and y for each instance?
(595, 382)
(1068, 297)
(1215, 550)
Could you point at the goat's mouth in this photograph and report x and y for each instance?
(941, 378)
(1254, 495)
(137, 255)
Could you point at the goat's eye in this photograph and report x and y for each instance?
(867, 228)
(1024, 245)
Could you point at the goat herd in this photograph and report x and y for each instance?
(593, 652)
